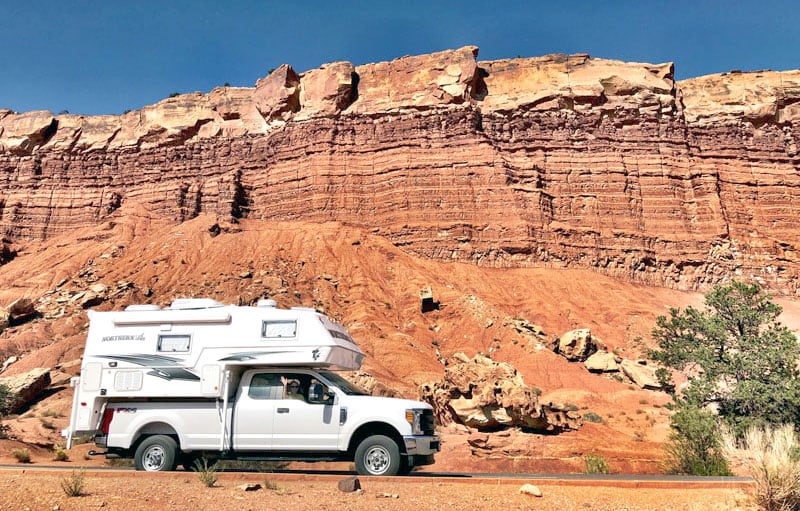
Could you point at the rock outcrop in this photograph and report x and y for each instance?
(557, 161)
(26, 387)
(486, 395)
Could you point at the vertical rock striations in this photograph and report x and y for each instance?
(560, 161)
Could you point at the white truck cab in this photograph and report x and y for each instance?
(167, 386)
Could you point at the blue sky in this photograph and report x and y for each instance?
(109, 56)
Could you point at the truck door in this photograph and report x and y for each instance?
(255, 408)
(303, 422)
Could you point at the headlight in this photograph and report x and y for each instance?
(413, 417)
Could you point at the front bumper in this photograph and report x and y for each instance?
(422, 445)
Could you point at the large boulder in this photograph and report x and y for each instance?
(603, 362)
(21, 310)
(326, 91)
(577, 345)
(642, 375)
(487, 395)
(26, 387)
(277, 96)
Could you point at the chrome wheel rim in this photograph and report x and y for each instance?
(153, 459)
(377, 460)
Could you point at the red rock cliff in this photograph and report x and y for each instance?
(554, 161)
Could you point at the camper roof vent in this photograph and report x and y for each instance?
(143, 307)
(267, 303)
(194, 303)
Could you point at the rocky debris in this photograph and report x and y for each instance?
(487, 395)
(530, 489)
(603, 362)
(525, 327)
(577, 345)
(26, 387)
(641, 374)
(82, 292)
(249, 487)
(349, 484)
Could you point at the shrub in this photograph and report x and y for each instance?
(6, 398)
(60, 454)
(73, 483)
(596, 464)
(770, 456)
(592, 417)
(21, 455)
(205, 472)
(694, 446)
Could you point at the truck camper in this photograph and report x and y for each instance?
(200, 378)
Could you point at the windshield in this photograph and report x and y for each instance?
(343, 385)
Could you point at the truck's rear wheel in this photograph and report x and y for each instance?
(156, 453)
(378, 455)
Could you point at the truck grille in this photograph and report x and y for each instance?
(427, 422)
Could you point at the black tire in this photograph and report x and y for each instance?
(378, 455)
(157, 453)
(405, 467)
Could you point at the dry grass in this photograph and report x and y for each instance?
(770, 457)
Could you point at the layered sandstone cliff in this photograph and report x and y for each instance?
(562, 161)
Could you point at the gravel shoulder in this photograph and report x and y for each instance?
(26, 489)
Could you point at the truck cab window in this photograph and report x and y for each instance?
(295, 386)
(265, 386)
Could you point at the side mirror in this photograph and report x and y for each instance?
(318, 393)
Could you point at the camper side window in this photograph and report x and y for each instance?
(265, 386)
(278, 329)
(174, 342)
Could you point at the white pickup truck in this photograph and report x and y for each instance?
(329, 419)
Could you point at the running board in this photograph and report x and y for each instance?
(279, 457)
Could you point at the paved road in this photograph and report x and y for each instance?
(615, 480)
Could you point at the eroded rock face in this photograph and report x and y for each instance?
(487, 395)
(557, 161)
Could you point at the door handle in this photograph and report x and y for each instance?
(283, 410)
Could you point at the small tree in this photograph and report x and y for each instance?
(744, 360)
(6, 397)
(742, 366)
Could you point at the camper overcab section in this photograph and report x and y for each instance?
(202, 378)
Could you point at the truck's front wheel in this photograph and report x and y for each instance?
(378, 455)
(156, 453)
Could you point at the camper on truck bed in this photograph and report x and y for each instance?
(199, 378)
